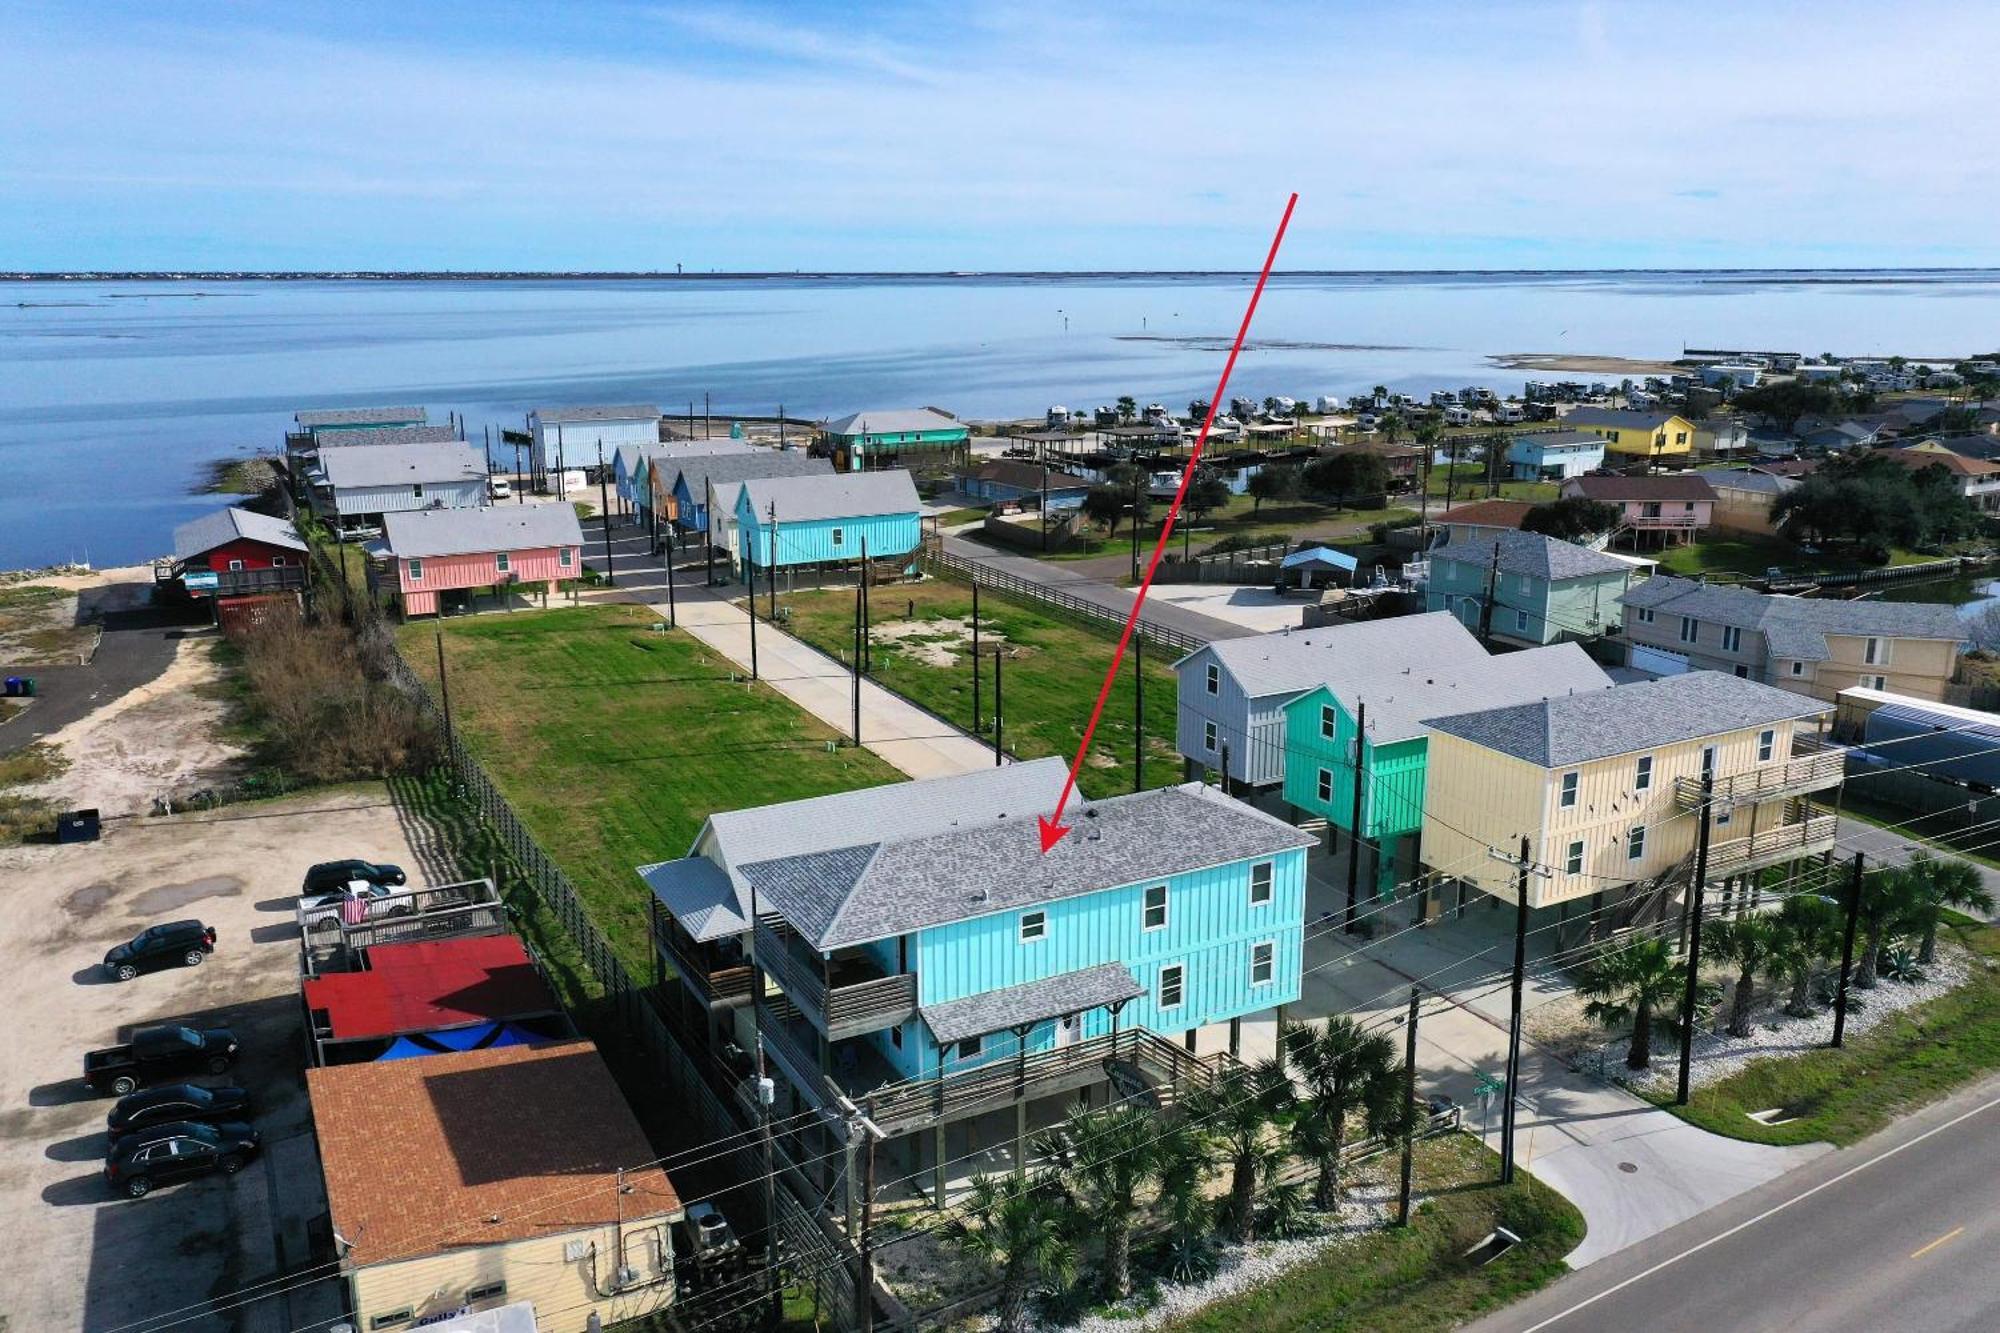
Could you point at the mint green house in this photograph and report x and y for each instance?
(1433, 668)
(908, 437)
(1545, 590)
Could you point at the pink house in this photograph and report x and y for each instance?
(1676, 505)
(435, 551)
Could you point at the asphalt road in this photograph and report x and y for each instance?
(1898, 1232)
(1894, 847)
(1078, 580)
(137, 646)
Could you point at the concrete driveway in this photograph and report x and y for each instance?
(74, 1257)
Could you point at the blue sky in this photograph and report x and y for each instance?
(591, 134)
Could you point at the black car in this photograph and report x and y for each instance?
(175, 944)
(177, 1151)
(171, 1102)
(333, 876)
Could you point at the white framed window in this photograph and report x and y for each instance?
(970, 1047)
(1214, 679)
(1708, 761)
(1521, 621)
(277, 562)
(1798, 667)
(235, 566)
(1263, 962)
(1173, 987)
(1208, 737)
(1324, 787)
(393, 1318)
(1260, 883)
(1642, 774)
(1767, 744)
(1034, 926)
(1635, 843)
(565, 557)
(1573, 858)
(417, 491)
(1328, 722)
(1875, 652)
(1723, 815)
(1688, 629)
(1732, 639)
(1874, 682)
(416, 571)
(1642, 615)
(1153, 915)
(838, 536)
(1569, 786)
(503, 561)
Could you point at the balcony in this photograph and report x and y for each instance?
(846, 995)
(715, 974)
(1813, 768)
(1768, 847)
(1662, 522)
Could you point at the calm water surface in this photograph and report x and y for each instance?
(114, 397)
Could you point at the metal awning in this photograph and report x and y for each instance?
(1031, 1003)
(1320, 558)
(697, 893)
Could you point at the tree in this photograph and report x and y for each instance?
(1392, 426)
(1349, 472)
(1235, 1113)
(1782, 404)
(1752, 943)
(1942, 884)
(1271, 406)
(1275, 481)
(1017, 1228)
(1571, 517)
(1891, 903)
(1868, 498)
(1106, 1161)
(1128, 407)
(1104, 505)
(1346, 1071)
(1808, 934)
(1207, 492)
(1633, 982)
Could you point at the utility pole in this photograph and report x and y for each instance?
(1695, 893)
(604, 513)
(750, 585)
(704, 414)
(673, 615)
(1045, 500)
(867, 615)
(562, 466)
(708, 526)
(774, 566)
(486, 447)
(1354, 838)
(1847, 953)
(1138, 712)
(998, 736)
(766, 1093)
(520, 482)
(857, 663)
(1523, 868)
(1137, 478)
(444, 693)
(1492, 588)
(975, 655)
(1409, 1110)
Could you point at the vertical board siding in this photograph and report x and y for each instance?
(1393, 794)
(351, 500)
(443, 573)
(1252, 728)
(810, 541)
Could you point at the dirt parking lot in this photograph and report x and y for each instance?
(71, 1256)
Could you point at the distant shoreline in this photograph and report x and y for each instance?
(1826, 275)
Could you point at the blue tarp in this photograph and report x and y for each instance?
(404, 1049)
(459, 1039)
(1320, 557)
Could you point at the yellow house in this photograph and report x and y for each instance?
(1636, 435)
(1607, 786)
(472, 1180)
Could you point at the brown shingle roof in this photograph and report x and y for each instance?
(1917, 457)
(1667, 486)
(445, 1151)
(1489, 513)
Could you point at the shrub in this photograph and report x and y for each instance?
(327, 718)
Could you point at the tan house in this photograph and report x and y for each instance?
(1607, 786)
(479, 1179)
(1746, 497)
(1817, 646)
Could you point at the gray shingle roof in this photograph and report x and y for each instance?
(508, 527)
(356, 416)
(630, 454)
(378, 435)
(1031, 1002)
(401, 465)
(570, 416)
(1624, 719)
(1292, 661)
(892, 421)
(1744, 479)
(1535, 555)
(843, 495)
(1401, 692)
(1682, 486)
(873, 890)
(227, 525)
(1796, 627)
(699, 470)
(699, 895)
(1617, 418)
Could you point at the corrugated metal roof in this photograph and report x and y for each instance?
(892, 421)
(570, 416)
(401, 465)
(1031, 1002)
(227, 525)
(843, 495)
(505, 527)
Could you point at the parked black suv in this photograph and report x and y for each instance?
(175, 944)
(177, 1151)
(332, 876)
(171, 1102)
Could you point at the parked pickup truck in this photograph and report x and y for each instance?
(158, 1053)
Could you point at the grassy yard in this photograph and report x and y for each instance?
(1409, 1281)
(614, 742)
(1054, 667)
(22, 815)
(1467, 482)
(1241, 518)
(1907, 1061)
(1751, 555)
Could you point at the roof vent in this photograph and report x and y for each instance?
(980, 895)
(1090, 812)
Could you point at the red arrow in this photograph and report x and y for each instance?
(1052, 828)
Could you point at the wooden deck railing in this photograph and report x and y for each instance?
(1805, 837)
(1768, 782)
(713, 985)
(838, 1011)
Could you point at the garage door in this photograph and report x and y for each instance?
(1658, 660)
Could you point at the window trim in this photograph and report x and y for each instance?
(1212, 680)
(969, 1048)
(1570, 790)
(1642, 615)
(1732, 638)
(1270, 869)
(1178, 971)
(503, 562)
(1146, 908)
(1520, 621)
(235, 566)
(392, 1318)
(1269, 948)
(1690, 630)
(1036, 918)
(1323, 785)
(1642, 773)
(1329, 722)
(1635, 843)
(1573, 857)
(566, 557)
(414, 566)
(1209, 735)
(837, 537)
(417, 491)
(1875, 651)
(1767, 744)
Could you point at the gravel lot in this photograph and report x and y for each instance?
(74, 1258)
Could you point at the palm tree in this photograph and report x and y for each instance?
(1345, 1070)
(1234, 1115)
(1808, 930)
(1018, 1228)
(1106, 1160)
(1631, 982)
(1941, 884)
(1891, 902)
(1753, 944)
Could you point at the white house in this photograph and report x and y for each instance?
(1555, 455)
(576, 432)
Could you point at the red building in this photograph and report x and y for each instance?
(247, 563)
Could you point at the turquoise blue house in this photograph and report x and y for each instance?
(916, 949)
(1544, 589)
(803, 521)
(694, 479)
(897, 437)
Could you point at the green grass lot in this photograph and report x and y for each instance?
(1907, 1061)
(953, 517)
(614, 742)
(1467, 483)
(1751, 555)
(1413, 1280)
(21, 815)
(1240, 518)
(1054, 668)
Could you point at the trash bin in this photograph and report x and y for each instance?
(13, 687)
(28, 686)
(77, 826)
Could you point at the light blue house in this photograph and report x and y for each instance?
(698, 479)
(1529, 589)
(915, 948)
(1555, 455)
(789, 522)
